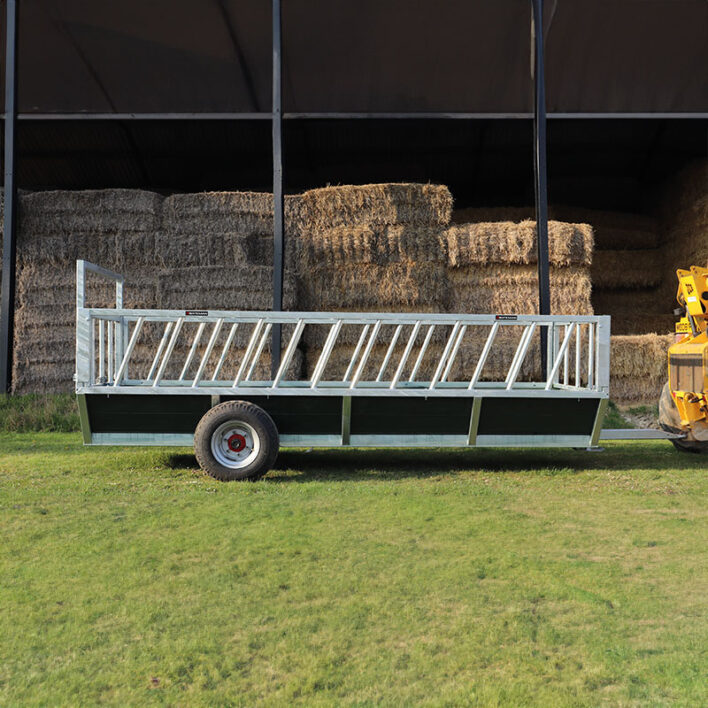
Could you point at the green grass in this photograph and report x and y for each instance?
(34, 412)
(536, 578)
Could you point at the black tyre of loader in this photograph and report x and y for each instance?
(670, 421)
(236, 440)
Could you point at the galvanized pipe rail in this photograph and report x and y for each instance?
(107, 339)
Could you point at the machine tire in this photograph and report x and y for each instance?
(236, 440)
(670, 421)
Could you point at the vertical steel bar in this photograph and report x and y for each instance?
(560, 356)
(540, 168)
(101, 353)
(129, 350)
(406, 355)
(111, 335)
(566, 360)
(7, 294)
(578, 344)
(225, 351)
(278, 202)
(591, 355)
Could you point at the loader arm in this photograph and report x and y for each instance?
(688, 362)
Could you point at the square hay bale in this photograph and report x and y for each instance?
(226, 213)
(627, 269)
(509, 242)
(371, 287)
(376, 204)
(514, 290)
(381, 245)
(222, 288)
(640, 356)
(101, 211)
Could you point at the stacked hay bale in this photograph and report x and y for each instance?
(684, 225)
(626, 270)
(114, 228)
(638, 368)
(492, 269)
(215, 252)
(370, 248)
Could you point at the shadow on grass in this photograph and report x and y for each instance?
(371, 464)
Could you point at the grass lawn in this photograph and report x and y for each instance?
(353, 578)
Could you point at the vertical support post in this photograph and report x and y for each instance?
(540, 170)
(7, 296)
(278, 202)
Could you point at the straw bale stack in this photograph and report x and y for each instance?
(638, 369)
(613, 230)
(507, 242)
(221, 288)
(615, 270)
(221, 229)
(685, 225)
(114, 228)
(376, 204)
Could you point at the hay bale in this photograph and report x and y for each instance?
(369, 244)
(222, 288)
(638, 368)
(643, 324)
(613, 230)
(626, 269)
(99, 211)
(509, 242)
(226, 213)
(376, 204)
(514, 290)
(368, 287)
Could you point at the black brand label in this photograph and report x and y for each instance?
(506, 317)
(196, 313)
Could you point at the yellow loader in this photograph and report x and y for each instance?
(683, 406)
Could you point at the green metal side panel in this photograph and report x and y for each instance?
(145, 414)
(411, 416)
(537, 416)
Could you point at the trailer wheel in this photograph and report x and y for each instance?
(236, 440)
(670, 421)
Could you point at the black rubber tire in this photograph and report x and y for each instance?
(237, 411)
(670, 421)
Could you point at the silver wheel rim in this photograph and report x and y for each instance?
(235, 444)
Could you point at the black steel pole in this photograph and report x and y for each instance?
(540, 168)
(541, 174)
(7, 297)
(278, 203)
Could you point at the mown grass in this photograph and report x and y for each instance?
(34, 412)
(537, 578)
